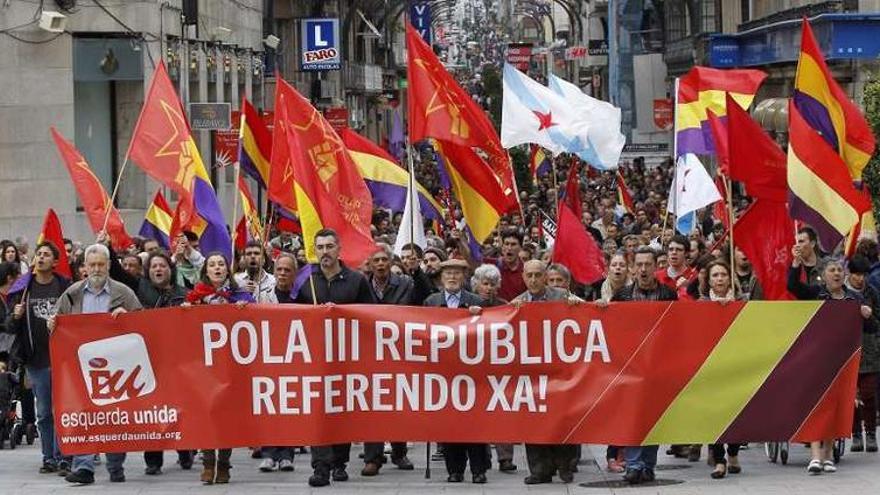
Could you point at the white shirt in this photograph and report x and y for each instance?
(265, 288)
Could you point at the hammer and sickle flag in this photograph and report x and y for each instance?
(330, 192)
(162, 145)
(439, 108)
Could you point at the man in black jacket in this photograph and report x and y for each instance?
(335, 283)
(388, 288)
(453, 295)
(640, 461)
(31, 308)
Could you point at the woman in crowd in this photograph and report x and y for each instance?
(618, 277)
(217, 286)
(699, 287)
(721, 289)
(833, 288)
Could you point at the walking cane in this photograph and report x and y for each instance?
(428, 461)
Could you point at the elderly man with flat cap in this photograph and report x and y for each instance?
(454, 296)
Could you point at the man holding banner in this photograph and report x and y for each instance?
(97, 294)
(640, 461)
(331, 282)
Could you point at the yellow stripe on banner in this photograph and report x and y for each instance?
(479, 214)
(249, 143)
(811, 81)
(691, 115)
(813, 191)
(855, 159)
(309, 219)
(377, 169)
(755, 343)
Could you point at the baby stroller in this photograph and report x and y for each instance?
(11, 427)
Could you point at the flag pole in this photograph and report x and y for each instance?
(730, 214)
(235, 206)
(115, 192)
(674, 156)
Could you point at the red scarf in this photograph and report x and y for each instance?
(203, 290)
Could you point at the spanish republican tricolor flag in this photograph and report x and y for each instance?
(162, 146)
(821, 187)
(702, 90)
(92, 194)
(539, 162)
(157, 221)
(827, 109)
(330, 193)
(388, 182)
(249, 227)
(481, 196)
(254, 144)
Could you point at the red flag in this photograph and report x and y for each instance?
(439, 108)
(241, 234)
(162, 144)
(280, 188)
(52, 233)
(624, 197)
(330, 192)
(92, 194)
(719, 136)
(755, 159)
(575, 247)
(764, 233)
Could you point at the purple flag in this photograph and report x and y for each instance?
(20, 283)
(302, 276)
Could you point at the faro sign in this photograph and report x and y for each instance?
(320, 44)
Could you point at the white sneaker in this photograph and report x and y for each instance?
(268, 465)
(829, 467)
(815, 467)
(285, 465)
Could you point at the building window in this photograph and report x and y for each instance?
(708, 21)
(676, 21)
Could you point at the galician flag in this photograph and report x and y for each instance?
(412, 225)
(533, 113)
(691, 190)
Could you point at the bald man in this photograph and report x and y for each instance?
(546, 460)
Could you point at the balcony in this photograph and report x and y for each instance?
(366, 78)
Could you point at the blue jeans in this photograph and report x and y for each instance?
(87, 462)
(41, 384)
(640, 458)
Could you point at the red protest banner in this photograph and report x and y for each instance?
(635, 373)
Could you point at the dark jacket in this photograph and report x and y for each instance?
(468, 299)
(870, 362)
(399, 290)
(151, 296)
(29, 332)
(346, 287)
(423, 286)
(661, 293)
(804, 282)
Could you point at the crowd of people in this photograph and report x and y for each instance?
(646, 261)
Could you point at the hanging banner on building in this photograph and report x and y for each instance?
(320, 44)
(226, 142)
(663, 114)
(628, 374)
(337, 117)
(519, 55)
(420, 18)
(210, 116)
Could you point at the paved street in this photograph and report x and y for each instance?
(859, 473)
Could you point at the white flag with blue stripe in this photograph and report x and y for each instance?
(692, 189)
(533, 113)
(604, 141)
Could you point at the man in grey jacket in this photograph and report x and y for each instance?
(96, 294)
(546, 460)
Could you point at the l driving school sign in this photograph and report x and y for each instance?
(320, 44)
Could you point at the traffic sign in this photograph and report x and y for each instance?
(320, 44)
